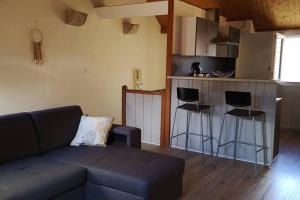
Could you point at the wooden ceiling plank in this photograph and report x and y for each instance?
(297, 13)
(266, 14)
(259, 14)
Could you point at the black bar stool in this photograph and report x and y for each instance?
(242, 100)
(190, 97)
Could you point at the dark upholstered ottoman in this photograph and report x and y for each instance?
(140, 174)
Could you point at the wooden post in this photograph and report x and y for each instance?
(169, 70)
(124, 89)
(163, 139)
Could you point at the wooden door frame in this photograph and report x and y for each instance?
(169, 71)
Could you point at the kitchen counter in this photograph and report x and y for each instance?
(221, 79)
(212, 92)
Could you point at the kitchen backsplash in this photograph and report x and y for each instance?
(182, 64)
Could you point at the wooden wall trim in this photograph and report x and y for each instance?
(169, 71)
(150, 92)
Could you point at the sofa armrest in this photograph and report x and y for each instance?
(125, 135)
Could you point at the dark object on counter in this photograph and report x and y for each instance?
(181, 65)
(196, 68)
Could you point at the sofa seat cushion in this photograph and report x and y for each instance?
(130, 170)
(38, 178)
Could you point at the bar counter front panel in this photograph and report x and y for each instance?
(212, 92)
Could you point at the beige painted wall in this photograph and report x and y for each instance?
(99, 46)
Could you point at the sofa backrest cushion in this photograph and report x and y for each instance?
(17, 137)
(56, 127)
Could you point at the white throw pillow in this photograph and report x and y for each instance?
(93, 131)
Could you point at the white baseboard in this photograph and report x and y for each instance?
(151, 143)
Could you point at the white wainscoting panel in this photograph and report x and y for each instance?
(144, 111)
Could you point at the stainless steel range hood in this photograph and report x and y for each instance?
(226, 36)
(223, 40)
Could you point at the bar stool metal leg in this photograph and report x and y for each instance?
(172, 134)
(254, 146)
(236, 136)
(189, 138)
(264, 140)
(241, 124)
(210, 133)
(187, 129)
(220, 136)
(202, 136)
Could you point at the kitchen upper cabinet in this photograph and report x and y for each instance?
(187, 37)
(256, 59)
(206, 31)
(193, 35)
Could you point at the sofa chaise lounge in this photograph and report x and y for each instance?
(37, 162)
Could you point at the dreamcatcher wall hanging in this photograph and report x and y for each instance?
(36, 41)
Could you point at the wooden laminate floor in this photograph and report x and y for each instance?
(219, 178)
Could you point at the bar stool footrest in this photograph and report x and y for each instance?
(261, 149)
(245, 143)
(195, 134)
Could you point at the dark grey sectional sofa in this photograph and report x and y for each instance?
(36, 162)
